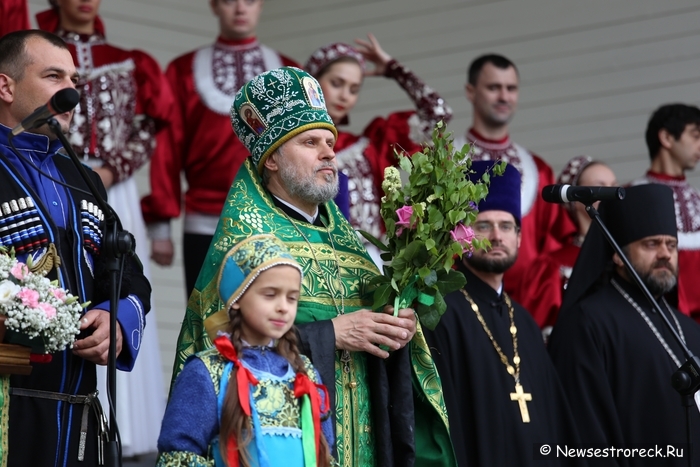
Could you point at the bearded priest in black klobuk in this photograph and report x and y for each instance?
(614, 353)
(502, 393)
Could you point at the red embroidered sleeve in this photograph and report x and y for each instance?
(430, 107)
(154, 104)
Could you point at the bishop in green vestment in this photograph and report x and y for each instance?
(388, 407)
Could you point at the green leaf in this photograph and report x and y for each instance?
(424, 272)
(499, 168)
(405, 164)
(456, 248)
(399, 263)
(431, 278)
(429, 316)
(435, 217)
(439, 191)
(382, 296)
(379, 279)
(429, 244)
(374, 240)
(440, 305)
(412, 249)
(421, 258)
(449, 261)
(450, 281)
(394, 285)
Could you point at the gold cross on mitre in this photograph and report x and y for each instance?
(523, 398)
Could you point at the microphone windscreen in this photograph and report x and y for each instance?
(553, 193)
(65, 100)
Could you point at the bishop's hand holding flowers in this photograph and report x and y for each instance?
(427, 226)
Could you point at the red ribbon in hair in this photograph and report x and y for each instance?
(244, 377)
(303, 386)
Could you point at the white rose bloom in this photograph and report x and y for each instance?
(8, 290)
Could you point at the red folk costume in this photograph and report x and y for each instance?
(124, 99)
(687, 201)
(364, 157)
(201, 142)
(549, 276)
(545, 226)
(14, 16)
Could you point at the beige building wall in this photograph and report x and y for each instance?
(591, 72)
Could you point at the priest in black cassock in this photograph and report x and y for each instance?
(502, 393)
(614, 353)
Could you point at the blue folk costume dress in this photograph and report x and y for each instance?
(190, 434)
(61, 228)
(286, 408)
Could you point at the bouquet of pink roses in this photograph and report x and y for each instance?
(36, 308)
(427, 226)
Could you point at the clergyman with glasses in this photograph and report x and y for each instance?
(286, 188)
(501, 390)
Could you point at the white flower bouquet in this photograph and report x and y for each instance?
(37, 308)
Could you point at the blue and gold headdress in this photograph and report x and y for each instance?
(247, 260)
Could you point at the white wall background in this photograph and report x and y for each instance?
(591, 72)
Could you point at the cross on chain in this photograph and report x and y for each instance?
(523, 398)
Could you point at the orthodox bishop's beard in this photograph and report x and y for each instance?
(307, 186)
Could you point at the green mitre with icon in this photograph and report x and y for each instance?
(274, 107)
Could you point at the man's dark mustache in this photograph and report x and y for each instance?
(663, 264)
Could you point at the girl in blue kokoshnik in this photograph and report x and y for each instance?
(253, 400)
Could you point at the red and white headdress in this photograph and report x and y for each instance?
(328, 54)
(572, 170)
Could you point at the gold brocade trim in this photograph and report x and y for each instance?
(215, 323)
(4, 418)
(344, 428)
(427, 374)
(354, 436)
(189, 459)
(215, 364)
(324, 301)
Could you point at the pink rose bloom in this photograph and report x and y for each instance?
(404, 215)
(60, 294)
(48, 310)
(20, 271)
(464, 235)
(29, 297)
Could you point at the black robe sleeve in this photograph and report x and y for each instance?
(580, 360)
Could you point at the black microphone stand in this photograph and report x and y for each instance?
(686, 379)
(116, 244)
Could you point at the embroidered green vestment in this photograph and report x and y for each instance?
(335, 265)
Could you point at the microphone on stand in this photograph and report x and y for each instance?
(584, 194)
(63, 101)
